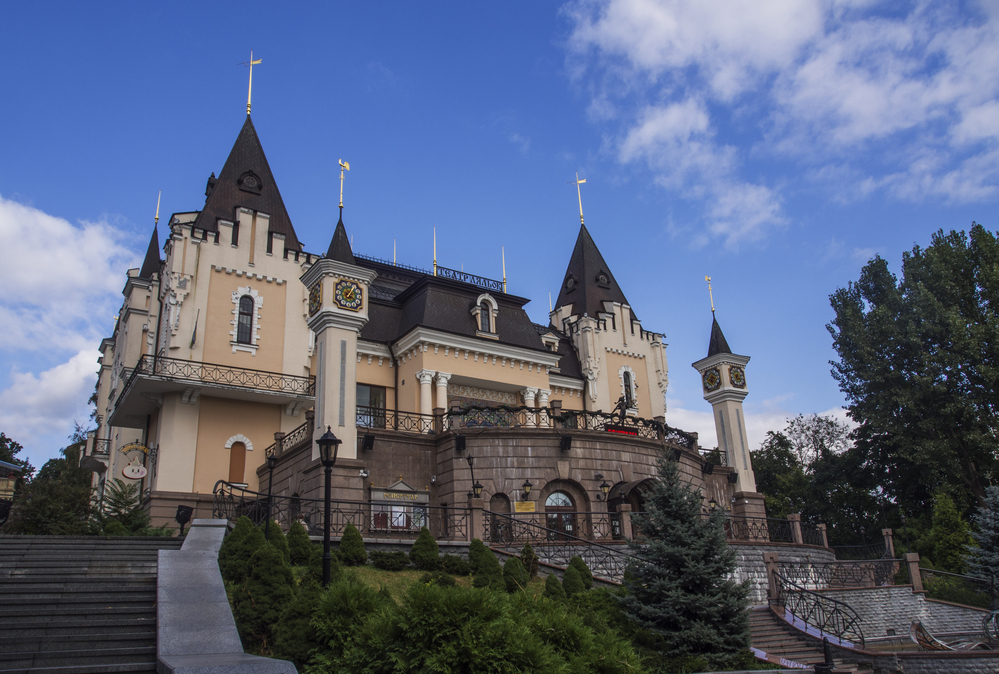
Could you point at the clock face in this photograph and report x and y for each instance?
(315, 297)
(347, 295)
(711, 379)
(737, 376)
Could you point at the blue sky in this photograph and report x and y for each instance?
(775, 146)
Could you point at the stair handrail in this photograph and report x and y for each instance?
(821, 616)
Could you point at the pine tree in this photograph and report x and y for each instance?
(572, 583)
(259, 603)
(476, 551)
(351, 548)
(490, 574)
(950, 535)
(530, 561)
(276, 538)
(299, 544)
(983, 559)
(425, 554)
(584, 571)
(237, 549)
(678, 580)
(514, 575)
(553, 588)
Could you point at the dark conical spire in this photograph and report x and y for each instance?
(246, 181)
(340, 245)
(588, 281)
(151, 264)
(717, 343)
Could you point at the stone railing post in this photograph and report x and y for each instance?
(912, 560)
(477, 519)
(825, 536)
(661, 429)
(770, 561)
(310, 418)
(889, 542)
(625, 511)
(438, 420)
(795, 520)
(556, 411)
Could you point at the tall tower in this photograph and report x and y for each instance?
(338, 309)
(723, 379)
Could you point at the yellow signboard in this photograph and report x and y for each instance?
(134, 447)
(525, 506)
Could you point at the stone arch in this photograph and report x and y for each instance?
(239, 437)
(580, 499)
(500, 503)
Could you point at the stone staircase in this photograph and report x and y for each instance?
(73, 604)
(774, 637)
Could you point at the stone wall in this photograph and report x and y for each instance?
(750, 566)
(894, 608)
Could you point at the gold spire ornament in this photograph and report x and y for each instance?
(435, 251)
(344, 166)
(577, 182)
(156, 221)
(249, 90)
(503, 253)
(710, 295)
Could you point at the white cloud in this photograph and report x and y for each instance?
(523, 144)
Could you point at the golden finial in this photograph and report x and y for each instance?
(503, 252)
(579, 195)
(710, 295)
(550, 302)
(393, 253)
(249, 90)
(344, 166)
(157, 220)
(435, 251)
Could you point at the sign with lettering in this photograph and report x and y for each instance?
(133, 447)
(525, 506)
(400, 496)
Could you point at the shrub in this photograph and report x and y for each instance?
(456, 565)
(115, 528)
(425, 554)
(584, 571)
(553, 588)
(294, 635)
(476, 550)
(237, 550)
(276, 538)
(514, 575)
(258, 605)
(299, 544)
(316, 564)
(438, 578)
(343, 609)
(489, 574)
(530, 561)
(351, 548)
(389, 561)
(572, 583)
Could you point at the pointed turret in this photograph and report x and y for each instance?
(340, 245)
(246, 181)
(588, 281)
(151, 264)
(717, 343)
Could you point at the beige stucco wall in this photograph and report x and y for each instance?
(221, 419)
(614, 363)
(219, 323)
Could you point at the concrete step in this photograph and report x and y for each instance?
(140, 667)
(96, 656)
(82, 642)
(31, 625)
(78, 612)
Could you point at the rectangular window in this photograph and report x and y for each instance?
(370, 406)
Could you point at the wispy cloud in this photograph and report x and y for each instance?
(523, 144)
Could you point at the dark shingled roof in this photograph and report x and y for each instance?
(151, 265)
(717, 344)
(588, 293)
(340, 245)
(227, 195)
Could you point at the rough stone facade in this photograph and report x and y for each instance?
(894, 608)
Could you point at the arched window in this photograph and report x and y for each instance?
(629, 395)
(485, 316)
(244, 327)
(560, 513)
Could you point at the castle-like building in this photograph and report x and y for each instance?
(238, 344)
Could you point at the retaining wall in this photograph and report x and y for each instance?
(894, 608)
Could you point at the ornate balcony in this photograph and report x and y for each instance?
(154, 376)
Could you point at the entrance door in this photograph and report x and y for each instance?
(237, 462)
(560, 514)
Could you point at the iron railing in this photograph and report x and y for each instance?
(877, 550)
(388, 520)
(763, 529)
(501, 416)
(588, 525)
(393, 264)
(839, 575)
(224, 375)
(813, 610)
(715, 456)
(810, 535)
(102, 447)
(957, 588)
(555, 546)
(378, 417)
(465, 277)
(294, 438)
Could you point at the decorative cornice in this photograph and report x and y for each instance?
(328, 267)
(719, 359)
(559, 381)
(249, 274)
(623, 352)
(420, 336)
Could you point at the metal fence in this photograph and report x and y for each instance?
(760, 529)
(839, 575)
(594, 526)
(501, 416)
(378, 417)
(876, 550)
(832, 617)
(959, 589)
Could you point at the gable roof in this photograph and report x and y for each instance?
(717, 344)
(229, 192)
(151, 264)
(592, 282)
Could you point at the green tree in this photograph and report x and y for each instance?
(299, 544)
(678, 581)
(919, 365)
(344, 608)
(476, 551)
(553, 588)
(572, 582)
(294, 635)
(121, 514)
(275, 536)
(351, 547)
(530, 560)
(950, 535)
(55, 502)
(514, 575)
(237, 549)
(490, 574)
(259, 603)
(576, 562)
(9, 449)
(425, 554)
(780, 476)
(983, 558)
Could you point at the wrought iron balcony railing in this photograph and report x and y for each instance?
(378, 417)
(593, 526)
(501, 416)
(220, 375)
(762, 529)
(102, 447)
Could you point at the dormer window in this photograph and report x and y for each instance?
(602, 279)
(485, 317)
(249, 182)
(485, 312)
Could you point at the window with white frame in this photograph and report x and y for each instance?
(629, 388)
(245, 322)
(485, 311)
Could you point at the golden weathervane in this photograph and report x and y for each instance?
(710, 295)
(577, 182)
(249, 91)
(344, 166)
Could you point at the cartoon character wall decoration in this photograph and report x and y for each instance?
(134, 470)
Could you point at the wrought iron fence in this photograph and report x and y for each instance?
(613, 423)
(393, 264)
(464, 277)
(102, 447)
(832, 617)
(588, 525)
(766, 529)
(715, 456)
(959, 589)
(378, 417)
(877, 550)
(501, 416)
(555, 546)
(839, 575)
(380, 520)
(810, 535)
(210, 373)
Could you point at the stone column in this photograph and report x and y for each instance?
(441, 380)
(795, 520)
(556, 409)
(529, 394)
(912, 560)
(825, 537)
(543, 418)
(476, 519)
(426, 378)
(770, 561)
(626, 530)
(889, 542)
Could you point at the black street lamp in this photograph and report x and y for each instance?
(605, 488)
(329, 445)
(527, 489)
(271, 465)
(713, 504)
(476, 487)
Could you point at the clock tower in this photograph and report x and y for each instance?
(338, 309)
(723, 381)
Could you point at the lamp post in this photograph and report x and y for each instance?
(605, 489)
(271, 465)
(476, 487)
(329, 445)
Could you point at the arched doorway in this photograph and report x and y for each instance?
(560, 513)
(237, 462)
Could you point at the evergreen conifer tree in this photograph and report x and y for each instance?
(553, 588)
(259, 603)
(678, 580)
(584, 571)
(237, 549)
(983, 559)
(294, 635)
(950, 535)
(425, 554)
(351, 548)
(299, 544)
(514, 575)
(530, 561)
(572, 583)
(476, 550)
(490, 574)
(277, 538)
